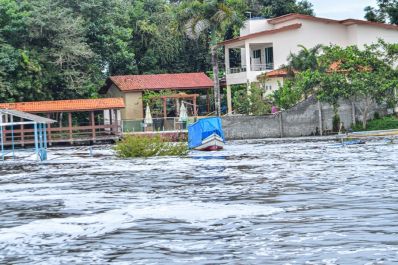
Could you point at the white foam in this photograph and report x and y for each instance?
(60, 230)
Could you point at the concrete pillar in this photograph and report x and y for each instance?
(227, 62)
(247, 56)
(320, 118)
(281, 124)
(229, 99)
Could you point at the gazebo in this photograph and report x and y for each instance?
(76, 120)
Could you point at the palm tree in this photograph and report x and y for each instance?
(212, 18)
(305, 59)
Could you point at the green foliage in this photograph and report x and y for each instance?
(287, 95)
(53, 49)
(305, 59)
(387, 11)
(274, 8)
(146, 146)
(251, 102)
(365, 76)
(385, 123)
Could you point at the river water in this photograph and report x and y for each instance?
(256, 202)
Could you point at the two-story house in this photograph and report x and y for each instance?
(265, 44)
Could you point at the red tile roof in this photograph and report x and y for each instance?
(290, 17)
(162, 81)
(265, 32)
(346, 22)
(277, 73)
(66, 105)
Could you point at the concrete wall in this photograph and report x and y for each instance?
(301, 120)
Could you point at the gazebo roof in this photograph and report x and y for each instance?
(72, 105)
(182, 81)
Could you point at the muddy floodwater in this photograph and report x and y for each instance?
(256, 202)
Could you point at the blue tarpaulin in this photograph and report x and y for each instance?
(202, 129)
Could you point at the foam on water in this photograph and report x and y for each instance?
(259, 202)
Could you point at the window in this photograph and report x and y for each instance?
(256, 54)
(269, 56)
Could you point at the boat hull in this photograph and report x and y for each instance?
(211, 143)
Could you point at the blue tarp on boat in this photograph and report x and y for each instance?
(202, 129)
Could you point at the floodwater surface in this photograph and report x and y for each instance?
(256, 202)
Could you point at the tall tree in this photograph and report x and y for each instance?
(211, 18)
(387, 11)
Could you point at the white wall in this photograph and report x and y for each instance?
(368, 35)
(254, 25)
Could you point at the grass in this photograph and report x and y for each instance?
(384, 123)
(147, 146)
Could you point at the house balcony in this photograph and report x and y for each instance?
(240, 75)
(245, 61)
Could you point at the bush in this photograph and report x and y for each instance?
(385, 123)
(146, 146)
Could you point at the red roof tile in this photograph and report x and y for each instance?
(261, 33)
(66, 105)
(277, 73)
(162, 81)
(346, 22)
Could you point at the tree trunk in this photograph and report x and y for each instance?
(353, 113)
(217, 96)
(365, 118)
(368, 102)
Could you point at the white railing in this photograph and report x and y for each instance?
(253, 67)
(262, 67)
(235, 70)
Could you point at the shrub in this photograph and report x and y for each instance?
(146, 146)
(384, 123)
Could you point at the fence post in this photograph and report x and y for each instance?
(320, 118)
(281, 124)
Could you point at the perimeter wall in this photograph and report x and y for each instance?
(304, 119)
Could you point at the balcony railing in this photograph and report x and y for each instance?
(235, 70)
(254, 67)
(262, 67)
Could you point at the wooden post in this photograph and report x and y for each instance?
(49, 130)
(110, 121)
(70, 127)
(116, 123)
(164, 108)
(22, 135)
(92, 121)
(195, 111)
(208, 101)
(320, 118)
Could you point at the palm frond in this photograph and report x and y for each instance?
(195, 27)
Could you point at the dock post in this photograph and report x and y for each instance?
(36, 141)
(70, 127)
(92, 119)
(1, 136)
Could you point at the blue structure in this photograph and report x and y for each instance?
(202, 129)
(13, 123)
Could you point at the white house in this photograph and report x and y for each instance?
(265, 44)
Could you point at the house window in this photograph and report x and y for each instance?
(256, 54)
(269, 57)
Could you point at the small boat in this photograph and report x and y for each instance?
(206, 135)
